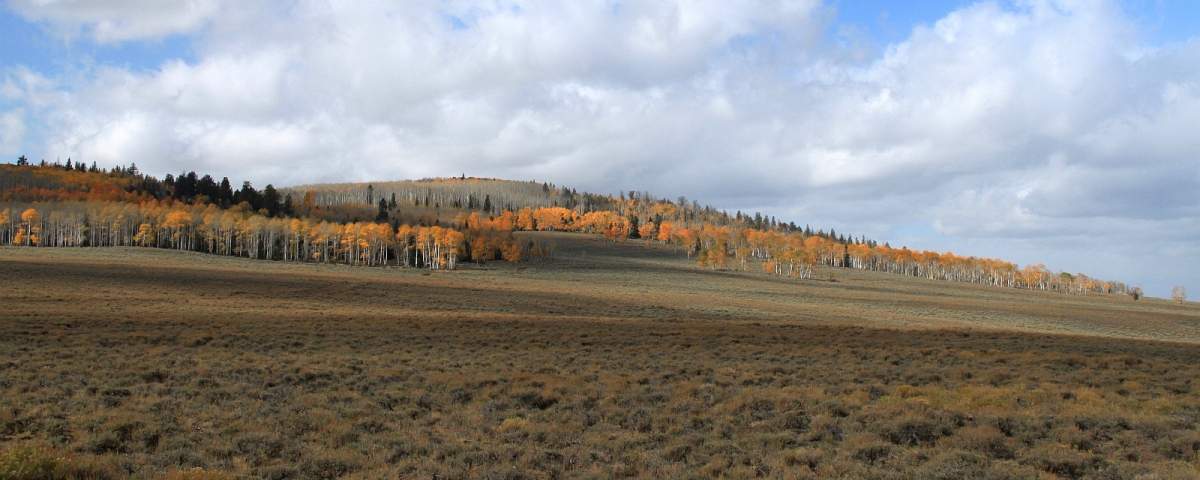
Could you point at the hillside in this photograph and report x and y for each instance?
(591, 277)
(488, 195)
(443, 223)
(609, 360)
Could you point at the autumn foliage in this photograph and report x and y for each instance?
(335, 224)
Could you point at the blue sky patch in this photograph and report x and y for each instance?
(32, 45)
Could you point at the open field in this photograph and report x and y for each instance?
(609, 361)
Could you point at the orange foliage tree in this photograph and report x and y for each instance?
(30, 228)
(75, 208)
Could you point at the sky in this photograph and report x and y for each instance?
(1060, 132)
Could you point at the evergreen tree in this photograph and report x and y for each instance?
(225, 194)
(207, 188)
(271, 200)
(249, 195)
(185, 186)
(382, 216)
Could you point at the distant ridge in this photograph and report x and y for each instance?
(437, 222)
(450, 192)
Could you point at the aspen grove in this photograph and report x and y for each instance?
(70, 206)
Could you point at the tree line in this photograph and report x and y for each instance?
(240, 232)
(25, 182)
(53, 205)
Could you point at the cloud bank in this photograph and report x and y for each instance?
(1047, 131)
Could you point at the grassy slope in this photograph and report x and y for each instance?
(589, 278)
(610, 360)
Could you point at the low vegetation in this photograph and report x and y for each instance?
(609, 361)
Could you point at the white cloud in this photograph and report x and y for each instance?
(225, 87)
(1038, 123)
(109, 21)
(12, 132)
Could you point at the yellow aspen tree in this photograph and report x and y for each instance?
(4, 228)
(404, 238)
(525, 219)
(479, 247)
(349, 242)
(31, 219)
(320, 237)
(506, 221)
(454, 240)
(513, 252)
(177, 225)
(426, 246)
(229, 224)
(665, 230)
(687, 238)
(647, 231)
(210, 227)
(145, 235)
(30, 229)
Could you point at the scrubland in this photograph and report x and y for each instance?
(608, 361)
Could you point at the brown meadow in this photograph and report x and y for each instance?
(608, 361)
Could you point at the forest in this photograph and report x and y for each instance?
(442, 223)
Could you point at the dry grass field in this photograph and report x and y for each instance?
(608, 361)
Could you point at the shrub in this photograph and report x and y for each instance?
(30, 462)
(803, 457)
(797, 420)
(954, 466)
(1064, 462)
(326, 466)
(873, 453)
(913, 432)
(196, 474)
(535, 400)
(105, 443)
(983, 439)
(42, 462)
